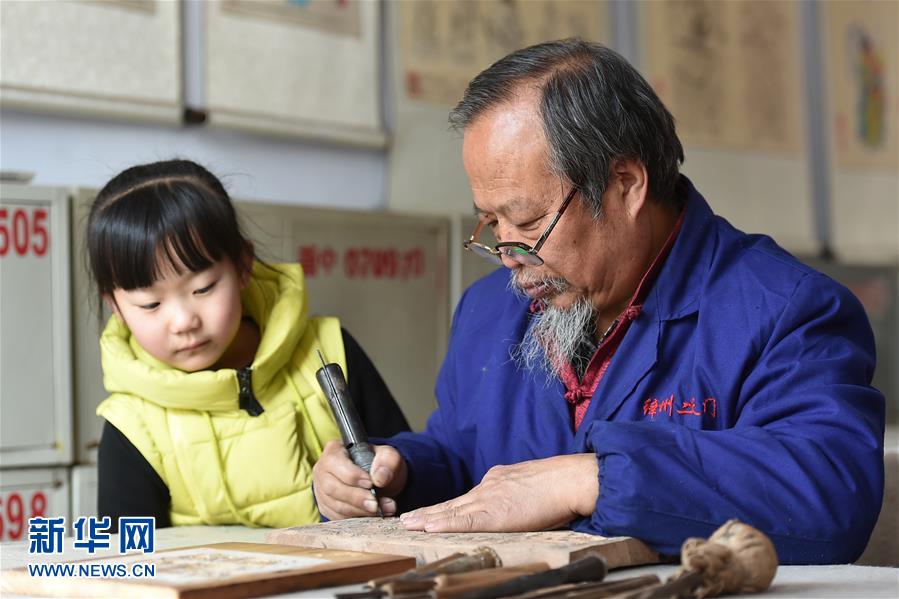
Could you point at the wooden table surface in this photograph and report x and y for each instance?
(857, 582)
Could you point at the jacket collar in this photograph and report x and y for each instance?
(677, 289)
(675, 294)
(275, 299)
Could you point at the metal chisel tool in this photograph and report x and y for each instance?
(355, 440)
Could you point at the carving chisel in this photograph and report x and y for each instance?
(333, 383)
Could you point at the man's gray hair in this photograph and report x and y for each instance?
(595, 107)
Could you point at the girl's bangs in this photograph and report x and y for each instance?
(144, 237)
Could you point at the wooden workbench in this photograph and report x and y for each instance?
(791, 581)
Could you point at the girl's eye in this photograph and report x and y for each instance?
(150, 306)
(206, 289)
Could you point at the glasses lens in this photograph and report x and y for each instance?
(521, 255)
(483, 251)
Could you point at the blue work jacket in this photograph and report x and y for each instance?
(742, 390)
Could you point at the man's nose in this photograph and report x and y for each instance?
(498, 234)
(509, 262)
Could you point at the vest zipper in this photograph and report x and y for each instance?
(247, 401)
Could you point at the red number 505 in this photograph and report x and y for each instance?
(24, 231)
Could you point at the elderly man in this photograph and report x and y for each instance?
(642, 368)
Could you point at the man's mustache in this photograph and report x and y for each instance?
(522, 280)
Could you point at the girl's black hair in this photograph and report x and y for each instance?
(174, 208)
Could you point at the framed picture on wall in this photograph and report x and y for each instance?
(81, 57)
(304, 69)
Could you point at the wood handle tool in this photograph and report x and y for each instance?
(590, 567)
(480, 559)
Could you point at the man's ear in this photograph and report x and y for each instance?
(632, 182)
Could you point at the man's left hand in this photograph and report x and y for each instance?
(529, 496)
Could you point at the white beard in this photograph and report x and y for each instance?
(556, 337)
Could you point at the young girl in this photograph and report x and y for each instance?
(214, 414)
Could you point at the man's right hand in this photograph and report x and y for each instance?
(342, 489)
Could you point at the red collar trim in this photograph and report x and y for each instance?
(579, 390)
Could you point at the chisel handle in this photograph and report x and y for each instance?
(330, 378)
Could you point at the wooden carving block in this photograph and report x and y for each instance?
(387, 535)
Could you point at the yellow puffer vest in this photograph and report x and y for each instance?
(222, 465)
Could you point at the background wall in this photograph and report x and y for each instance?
(76, 92)
(822, 202)
(67, 150)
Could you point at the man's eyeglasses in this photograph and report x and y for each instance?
(522, 253)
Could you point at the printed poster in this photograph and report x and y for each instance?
(341, 17)
(445, 44)
(862, 82)
(729, 72)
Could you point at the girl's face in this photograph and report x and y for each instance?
(189, 320)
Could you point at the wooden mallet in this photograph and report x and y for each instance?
(737, 558)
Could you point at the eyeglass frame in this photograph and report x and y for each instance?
(495, 253)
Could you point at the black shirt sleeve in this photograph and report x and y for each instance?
(127, 484)
(380, 414)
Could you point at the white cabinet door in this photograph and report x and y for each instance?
(35, 329)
